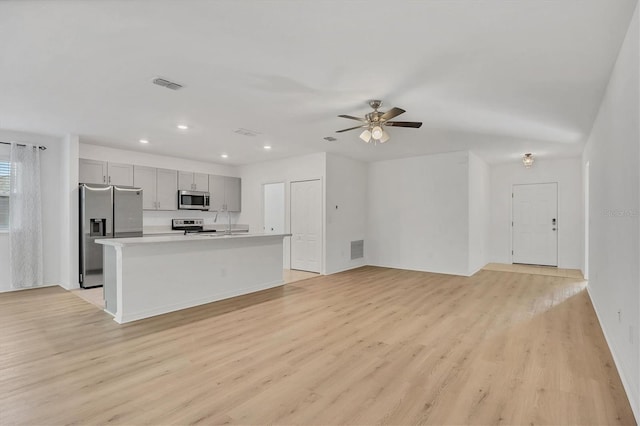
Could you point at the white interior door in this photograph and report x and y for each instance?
(273, 222)
(306, 225)
(535, 224)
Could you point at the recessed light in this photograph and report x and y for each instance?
(144, 141)
(224, 156)
(267, 147)
(182, 127)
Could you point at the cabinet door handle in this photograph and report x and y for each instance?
(109, 179)
(104, 179)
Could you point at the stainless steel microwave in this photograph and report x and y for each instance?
(193, 200)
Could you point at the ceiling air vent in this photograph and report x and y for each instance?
(246, 132)
(330, 139)
(166, 83)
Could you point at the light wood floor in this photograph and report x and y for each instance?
(369, 346)
(534, 269)
(292, 275)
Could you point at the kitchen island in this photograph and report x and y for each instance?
(148, 276)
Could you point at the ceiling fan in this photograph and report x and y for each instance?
(376, 121)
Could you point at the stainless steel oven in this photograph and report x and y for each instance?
(193, 200)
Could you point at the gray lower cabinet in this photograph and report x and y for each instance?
(225, 193)
(159, 187)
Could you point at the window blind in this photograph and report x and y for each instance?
(4, 193)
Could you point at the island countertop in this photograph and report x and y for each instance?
(122, 242)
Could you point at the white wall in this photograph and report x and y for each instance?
(69, 227)
(568, 173)
(53, 220)
(346, 211)
(287, 171)
(274, 208)
(613, 152)
(479, 213)
(163, 218)
(419, 213)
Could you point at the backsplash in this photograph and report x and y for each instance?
(163, 218)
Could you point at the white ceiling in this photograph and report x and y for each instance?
(497, 77)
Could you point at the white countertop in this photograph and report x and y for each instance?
(121, 242)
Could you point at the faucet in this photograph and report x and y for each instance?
(224, 209)
(228, 231)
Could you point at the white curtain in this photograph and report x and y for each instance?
(25, 223)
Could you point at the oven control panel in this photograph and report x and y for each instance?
(187, 223)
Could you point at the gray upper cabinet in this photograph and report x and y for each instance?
(190, 181)
(167, 189)
(120, 174)
(225, 193)
(232, 193)
(92, 171)
(145, 178)
(185, 181)
(160, 187)
(96, 171)
(201, 182)
(216, 190)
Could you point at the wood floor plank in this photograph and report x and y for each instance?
(368, 346)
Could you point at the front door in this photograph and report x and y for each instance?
(535, 224)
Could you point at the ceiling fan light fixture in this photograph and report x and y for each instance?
(376, 132)
(375, 122)
(366, 135)
(384, 137)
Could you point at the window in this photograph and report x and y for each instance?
(4, 194)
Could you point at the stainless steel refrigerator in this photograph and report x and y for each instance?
(106, 211)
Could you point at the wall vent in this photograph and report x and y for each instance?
(166, 83)
(246, 132)
(357, 249)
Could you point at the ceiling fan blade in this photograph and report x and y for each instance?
(414, 124)
(393, 112)
(351, 117)
(351, 128)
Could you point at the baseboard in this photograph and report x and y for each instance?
(10, 290)
(477, 270)
(432, 271)
(349, 268)
(129, 317)
(632, 395)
